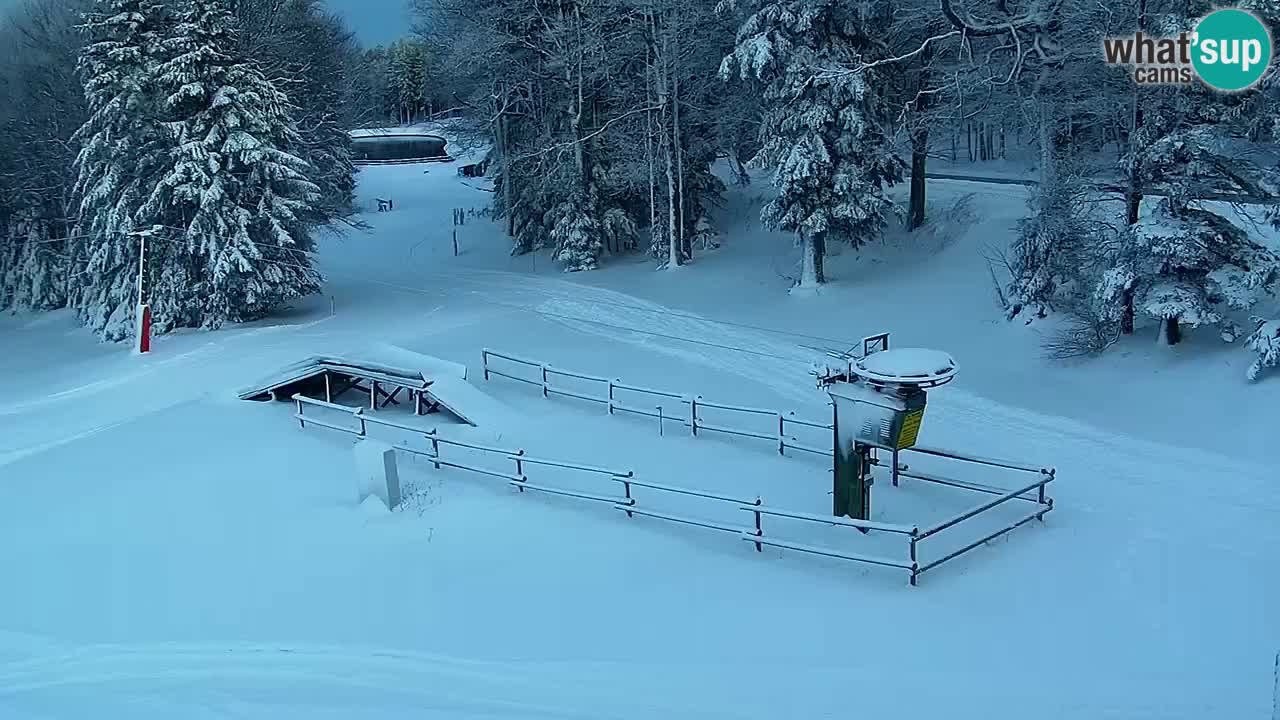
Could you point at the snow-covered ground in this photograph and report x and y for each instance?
(170, 551)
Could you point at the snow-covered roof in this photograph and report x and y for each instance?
(907, 366)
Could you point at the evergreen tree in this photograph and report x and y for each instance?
(233, 183)
(315, 60)
(120, 140)
(42, 105)
(822, 128)
(1187, 266)
(1265, 341)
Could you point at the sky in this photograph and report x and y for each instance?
(374, 21)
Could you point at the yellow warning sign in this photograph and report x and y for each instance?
(910, 428)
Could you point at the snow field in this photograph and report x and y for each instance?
(185, 553)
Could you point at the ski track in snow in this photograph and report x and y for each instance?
(784, 368)
(80, 392)
(429, 681)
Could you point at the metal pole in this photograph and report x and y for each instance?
(373, 395)
(328, 391)
(544, 381)
(895, 467)
(693, 415)
(626, 486)
(659, 421)
(782, 435)
(915, 566)
(759, 526)
(484, 360)
(142, 252)
(301, 423)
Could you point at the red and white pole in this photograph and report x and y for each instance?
(142, 327)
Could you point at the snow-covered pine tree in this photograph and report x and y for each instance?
(32, 275)
(1265, 341)
(118, 158)
(1184, 265)
(234, 185)
(822, 124)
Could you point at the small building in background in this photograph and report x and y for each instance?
(389, 146)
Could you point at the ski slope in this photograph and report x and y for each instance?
(176, 552)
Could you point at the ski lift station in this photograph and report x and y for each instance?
(928, 506)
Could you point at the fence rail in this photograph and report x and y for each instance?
(755, 534)
(688, 416)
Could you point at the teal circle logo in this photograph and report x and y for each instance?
(1231, 49)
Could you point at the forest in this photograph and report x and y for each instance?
(218, 130)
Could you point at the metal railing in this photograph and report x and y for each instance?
(1040, 498)
(1034, 492)
(782, 437)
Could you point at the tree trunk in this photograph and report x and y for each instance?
(1133, 188)
(813, 254)
(686, 248)
(664, 136)
(508, 179)
(919, 147)
(650, 81)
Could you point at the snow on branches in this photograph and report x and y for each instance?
(1265, 341)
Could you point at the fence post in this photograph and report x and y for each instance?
(519, 467)
(610, 397)
(1275, 692)
(359, 413)
(626, 489)
(373, 395)
(659, 421)
(1042, 486)
(693, 414)
(544, 381)
(484, 362)
(894, 460)
(301, 423)
(435, 447)
(759, 526)
(782, 435)
(915, 566)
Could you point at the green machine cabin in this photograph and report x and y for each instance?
(878, 402)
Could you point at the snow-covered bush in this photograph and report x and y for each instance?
(1265, 341)
(576, 234)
